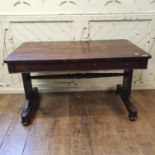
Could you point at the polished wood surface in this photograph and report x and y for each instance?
(82, 123)
(76, 55)
(76, 50)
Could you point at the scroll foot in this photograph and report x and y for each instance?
(30, 108)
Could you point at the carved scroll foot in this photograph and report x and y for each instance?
(30, 108)
(133, 113)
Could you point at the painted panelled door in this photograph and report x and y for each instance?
(43, 20)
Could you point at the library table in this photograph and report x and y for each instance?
(77, 56)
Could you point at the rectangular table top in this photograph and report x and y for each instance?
(76, 50)
(76, 56)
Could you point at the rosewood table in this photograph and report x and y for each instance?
(76, 56)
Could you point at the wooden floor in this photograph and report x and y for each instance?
(85, 123)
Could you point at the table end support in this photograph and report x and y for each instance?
(31, 100)
(124, 91)
(30, 108)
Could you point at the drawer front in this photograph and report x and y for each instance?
(77, 66)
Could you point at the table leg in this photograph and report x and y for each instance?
(125, 93)
(31, 97)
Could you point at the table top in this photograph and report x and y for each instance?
(76, 50)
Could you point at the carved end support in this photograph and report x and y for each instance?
(133, 112)
(30, 108)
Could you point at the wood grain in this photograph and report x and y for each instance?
(75, 50)
(76, 55)
(13, 135)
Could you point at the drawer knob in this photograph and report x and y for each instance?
(94, 64)
(126, 64)
(29, 67)
(61, 66)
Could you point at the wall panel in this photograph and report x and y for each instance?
(41, 20)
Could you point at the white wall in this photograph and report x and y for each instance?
(45, 20)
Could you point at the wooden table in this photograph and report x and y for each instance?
(76, 56)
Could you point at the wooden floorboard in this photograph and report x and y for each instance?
(81, 123)
(14, 135)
